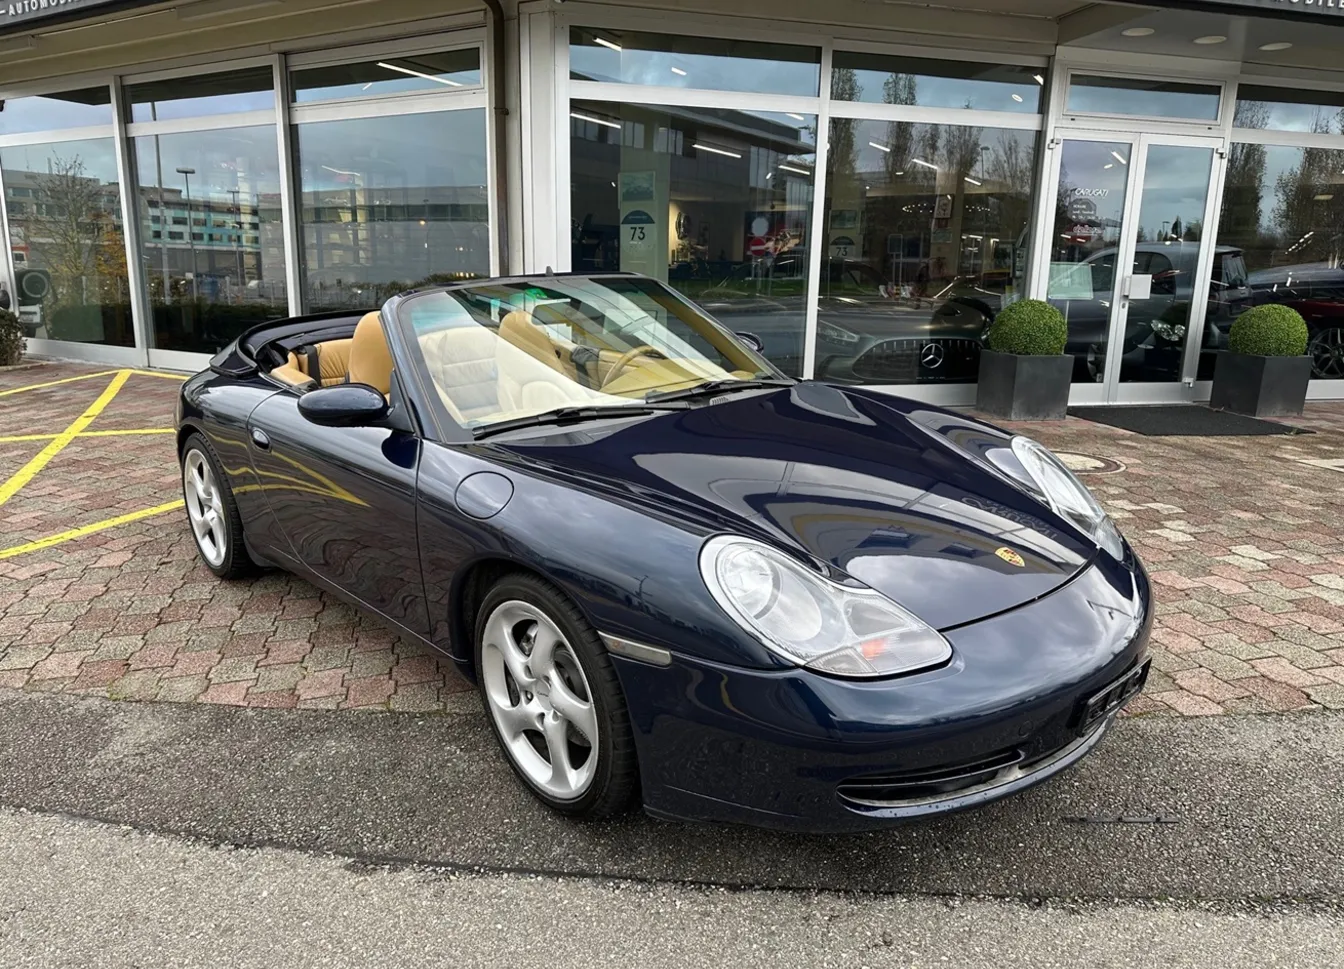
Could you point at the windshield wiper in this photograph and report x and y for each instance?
(717, 387)
(566, 415)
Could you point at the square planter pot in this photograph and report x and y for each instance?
(1260, 386)
(1024, 388)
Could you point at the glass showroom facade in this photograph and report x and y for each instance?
(863, 205)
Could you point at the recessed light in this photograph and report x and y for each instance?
(1017, 98)
(880, 147)
(1277, 45)
(1138, 32)
(1039, 79)
(1210, 39)
(1323, 198)
(678, 71)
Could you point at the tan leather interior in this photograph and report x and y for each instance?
(291, 374)
(370, 358)
(479, 375)
(333, 361)
(520, 329)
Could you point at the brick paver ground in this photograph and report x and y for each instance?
(1243, 536)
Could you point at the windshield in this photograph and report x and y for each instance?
(504, 350)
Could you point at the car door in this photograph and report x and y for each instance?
(344, 499)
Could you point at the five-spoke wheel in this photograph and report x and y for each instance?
(211, 512)
(205, 510)
(552, 696)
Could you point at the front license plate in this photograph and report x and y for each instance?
(1105, 702)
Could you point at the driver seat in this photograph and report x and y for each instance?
(370, 358)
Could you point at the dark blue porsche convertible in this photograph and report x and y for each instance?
(677, 576)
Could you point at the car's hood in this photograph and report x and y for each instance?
(848, 477)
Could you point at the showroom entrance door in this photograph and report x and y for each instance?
(1132, 267)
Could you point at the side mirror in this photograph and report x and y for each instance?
(751, 340)
(343, 405)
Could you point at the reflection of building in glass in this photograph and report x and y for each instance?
(69, 253)
(225, 242)
(361, 240)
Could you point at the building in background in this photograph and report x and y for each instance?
(861, 185)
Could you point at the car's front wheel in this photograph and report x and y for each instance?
(212, 513)
(553, 699)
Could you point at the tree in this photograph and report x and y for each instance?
(72, 231)
(1244, 189)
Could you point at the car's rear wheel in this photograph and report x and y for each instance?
(212, 513)
(553, 699)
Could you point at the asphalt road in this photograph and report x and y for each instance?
(1258, 814)
(80, 894)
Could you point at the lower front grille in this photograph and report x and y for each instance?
(912, 789)
(907, 786)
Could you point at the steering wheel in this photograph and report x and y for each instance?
(623, 364)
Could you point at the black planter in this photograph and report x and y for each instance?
(1024, 388)
(1260, 386)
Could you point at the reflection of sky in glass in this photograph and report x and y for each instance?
(1285, 109)
(1092, 184)
(244, 158)
(97, 156)
(244, 90)
(418, 183)
(407, 151)
(389, 75)
(1151, 99)
(51, 112)
(645, 59)
(1175, 188)
(877, 78)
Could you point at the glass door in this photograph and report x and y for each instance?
(1130, 263)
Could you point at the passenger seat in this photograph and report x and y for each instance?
(327, 362)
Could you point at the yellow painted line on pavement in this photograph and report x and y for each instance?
(163, 375)
(58, 444)
(83, 530)
(14, 438)
(63, 380)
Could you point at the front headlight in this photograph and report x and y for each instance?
(812, 621)
(1060, 488)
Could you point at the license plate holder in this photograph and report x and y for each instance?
(1111, 698)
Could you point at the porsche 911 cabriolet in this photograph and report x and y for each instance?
(676, 576)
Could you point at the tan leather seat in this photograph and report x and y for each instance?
(461, 362)
(370, 358)
(291, 374)
(333, 361)
(521, 330)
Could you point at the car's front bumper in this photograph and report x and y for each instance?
(797, 750)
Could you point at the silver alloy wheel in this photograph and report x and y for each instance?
(205, 508)
(1327, 353)
(540, 699)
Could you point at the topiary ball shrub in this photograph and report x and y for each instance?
(1271, 330)
(1029, 327)
(11, 339)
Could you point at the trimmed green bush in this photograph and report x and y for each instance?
(1029, 327)
(11, 339)
(1271, 330)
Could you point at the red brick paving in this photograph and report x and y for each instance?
(1244, 539)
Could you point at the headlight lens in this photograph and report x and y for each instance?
(812, 621)
(1059, 488)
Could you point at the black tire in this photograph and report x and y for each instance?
(616, 778)
(236, 563)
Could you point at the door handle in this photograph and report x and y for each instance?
(260, 439)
